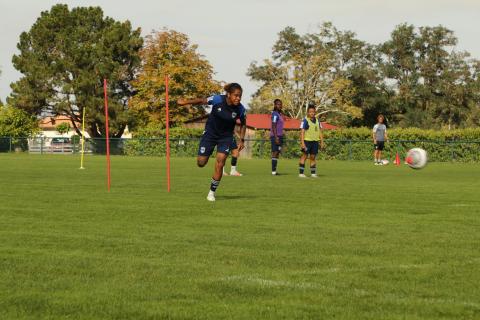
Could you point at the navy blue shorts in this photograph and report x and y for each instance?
(207, 144)
(276, 147)
(311, 147)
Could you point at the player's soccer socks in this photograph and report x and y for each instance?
(274, 164)
(234, 161)
(313, 169)
(302, 168)
(214, 185)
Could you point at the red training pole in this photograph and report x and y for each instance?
(167, 132)
(106, 133)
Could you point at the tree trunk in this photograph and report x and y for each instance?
(120, 132)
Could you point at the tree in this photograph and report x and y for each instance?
(305, 70)
(64, 58)
(63, 128)
(473, 118)
(1, 103)
(169, 52)
(16, 123)
(433, 84)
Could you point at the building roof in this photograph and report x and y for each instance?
(263, 121)
(49, 123)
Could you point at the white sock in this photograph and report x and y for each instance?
(233, 169)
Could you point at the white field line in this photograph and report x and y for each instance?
(268, 283)
(462, 205)
(372, 268)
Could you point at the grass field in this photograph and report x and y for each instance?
(360, 242)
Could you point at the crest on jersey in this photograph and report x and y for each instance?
(219, 109)
(202, 149)
(234, 114)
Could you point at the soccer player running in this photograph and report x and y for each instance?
(310, 135)
(379, 136)
(276, 133)
(219, 129)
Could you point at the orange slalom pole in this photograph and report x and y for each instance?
(106, 133)
(167, 132)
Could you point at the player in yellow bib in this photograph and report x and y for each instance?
(311, 134)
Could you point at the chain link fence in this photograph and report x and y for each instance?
(461, 151)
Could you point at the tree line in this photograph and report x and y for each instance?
(416, 78)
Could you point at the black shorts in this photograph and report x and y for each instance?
(207, 144)
(380, 145)
(276, 147)
(311, 147)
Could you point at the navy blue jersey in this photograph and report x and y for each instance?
(222, 119)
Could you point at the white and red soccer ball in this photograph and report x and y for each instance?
(416, 158)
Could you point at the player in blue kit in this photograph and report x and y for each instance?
(276, 133)
(219, 129)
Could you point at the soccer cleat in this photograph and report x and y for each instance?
(274, 173)
(211, 196)
(235, 174)
(301, 175)
(314, 175)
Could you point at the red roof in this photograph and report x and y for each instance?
(263, 121)
(47, 123)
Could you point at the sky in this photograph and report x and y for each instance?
(232, 34)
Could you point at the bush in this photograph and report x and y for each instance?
(356, 144)
(16, 125)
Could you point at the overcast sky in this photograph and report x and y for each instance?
(231, 34)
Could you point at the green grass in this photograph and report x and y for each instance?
(360, 242)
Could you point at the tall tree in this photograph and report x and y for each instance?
(401, 65)
(434, 84)
(1, 103)
(304, 70)
(169, 52)
(473, 118)
(64, 58)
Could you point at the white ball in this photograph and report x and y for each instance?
(385, 162)
(416, 158)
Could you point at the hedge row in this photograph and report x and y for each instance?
(356, 144)
(345, 144)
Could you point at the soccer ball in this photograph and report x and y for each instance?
(385, 162)
(416, 158)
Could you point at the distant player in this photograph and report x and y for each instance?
(276, 133)
(219, 129)
(379, 136)
(310, 135)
